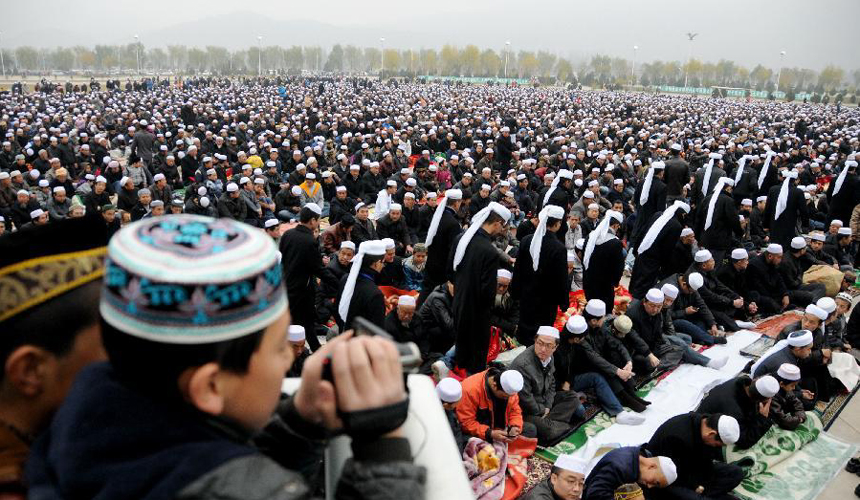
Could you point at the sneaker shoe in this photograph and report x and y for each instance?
(440, 370)
(717, 363)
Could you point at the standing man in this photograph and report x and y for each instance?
(785, 203)
(302, 263)
(689, 440)
(654, 254)
(540, 275)
(359, 294)
(603, 260)
(444, 228)
(718, 220)
(473, 272)
(649, 198)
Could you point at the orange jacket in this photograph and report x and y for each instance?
(475, 407)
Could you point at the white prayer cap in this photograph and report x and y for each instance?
(670, 472)
(800, 338)
(798, 243)
(565, 174)
(588, 194)
(548, 331)
(232, 187)
(453, 194)
(618, 181)
(676, 147)
(340, 188)
(576, 324)
(504, 273)
(101, 179)
(703, 256)
(593, 206)
(411, 182)
(789, 174)
(658, 165)
(313, 207)
(485, 187)
(270, 223)
(123, 180)
(204, 202)
(406, 300)
(836, 222)
(296, 333)
(347, 244)
(596, 307)
(296, 190)
(774, 248)
(827, 303)
(259, 181)
(35, 214)
(571, 257)
(388, 242)
(580, 244)
(59, 189)
(571, 463)
(746, 201)
(788, 371)
(654, 295)
(25, 192)
(767, 386)
(696, 281)
(729, 429)
(245, 180)
(395, 207)
(816, 311)
(357, 205)
(391, 183)
(844, 231)
(44, 183)
(449, 390)
(311, 176)
(432, 195)
(740, 253)
(354, 167)
(669, 290)
(511, 381)
(761, 198)
(817, 236)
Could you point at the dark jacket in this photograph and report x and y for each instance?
(649, 328)
(367, 300)
(724, 222)
(139, 447)
(619, 466)
(538, 392)
(233, 208)
(786, 410)
(765, 279)
(680, 438)
(396, 230)
(604, 351)
(685, 300)
(436, 322)
(730, 398)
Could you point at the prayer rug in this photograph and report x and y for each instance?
(774, 324)
(791, 465)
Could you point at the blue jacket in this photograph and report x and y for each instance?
(619, 466)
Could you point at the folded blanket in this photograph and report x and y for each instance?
(844, 368)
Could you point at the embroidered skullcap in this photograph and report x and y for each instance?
(729, 429)
(188, 279)
(296, 333)
(449, 390)
(47, 261)
(788, 371)
(511, 382)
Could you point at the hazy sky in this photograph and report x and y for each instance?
(813, 33)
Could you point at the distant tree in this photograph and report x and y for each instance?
(450, 60)
(528, 64)
(429, 62)
(294, 57)
(470, 58)
(352, 56)
(27, 57)
(563, 70)
(197, 59)
(546, 63)
(335, 59)
(790, 94)
(491, 63)
(831, 77)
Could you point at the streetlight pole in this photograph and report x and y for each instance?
(382, 56)
(2, 62)
(690, 36)
(779, 71)
(633, 71)
(137, 52)
(259, 55)
(507, 49)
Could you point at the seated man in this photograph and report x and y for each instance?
(450, 392)
(688, 312)
(734, 276)
(607, 356)
(692, 441)
(572, 370)
(297, 339)
(786, 408)
(648, 323)
(551, 411)
(630, 464)
(393, 225)
(722, 301)
(436, 332)
(746, 399)
(399, 322)
(792, 350)
(764, 278)
(392, 266)
(490, 406)
(505, 314)
(814, 366)
(792, 269)
(336, 234)
(566, 480)
(841, 249)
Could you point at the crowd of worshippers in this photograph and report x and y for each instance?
(485, 207)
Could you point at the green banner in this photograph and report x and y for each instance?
(476, 79)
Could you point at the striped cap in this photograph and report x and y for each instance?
(189, 279)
